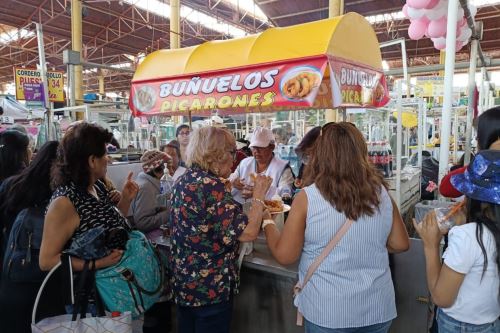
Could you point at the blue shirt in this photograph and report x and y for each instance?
(353, 286)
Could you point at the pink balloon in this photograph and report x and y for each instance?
(418, 4)
(462, 22)
(437, 28)
(405, 11)
(417, 29)
(440, 44)
(432, 4)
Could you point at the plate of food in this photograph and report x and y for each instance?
(299, 82)
(144, 98)
(276, 206)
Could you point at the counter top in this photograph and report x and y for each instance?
(260, 258)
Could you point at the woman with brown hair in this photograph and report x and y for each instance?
(352, 287)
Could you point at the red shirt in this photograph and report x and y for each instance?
(446, 188)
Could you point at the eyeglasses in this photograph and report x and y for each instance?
(184, 133)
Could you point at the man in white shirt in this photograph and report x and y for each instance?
(263, 162)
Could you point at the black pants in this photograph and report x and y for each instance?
(214, 318)
(158, 318)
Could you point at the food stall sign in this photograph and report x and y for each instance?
(430, 86)
(303, 83)
(31, 76)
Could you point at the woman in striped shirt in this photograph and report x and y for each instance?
(352, 290)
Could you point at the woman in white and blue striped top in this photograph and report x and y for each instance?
(352, 290)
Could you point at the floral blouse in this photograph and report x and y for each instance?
(206, 225)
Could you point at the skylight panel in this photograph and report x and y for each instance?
(250, 7)
(190, 14)
(14, 35)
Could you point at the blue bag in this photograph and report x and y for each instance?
(90, 245)
(136, 282)
(23, 247)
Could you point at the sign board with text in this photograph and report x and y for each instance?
(316, 82)
(31, 78)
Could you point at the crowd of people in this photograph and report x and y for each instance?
(218, 201)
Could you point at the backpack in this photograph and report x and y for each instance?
(20, 263)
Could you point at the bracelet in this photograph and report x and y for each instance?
(265, 223)
(258, 200)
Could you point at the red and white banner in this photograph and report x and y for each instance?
(285, 85)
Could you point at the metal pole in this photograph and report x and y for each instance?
(295, 123)
(399, 141)
(76, 45)
(388, 132)
(420, 130)
(425, 137)
(470, 106)
(406, 76)
(451, 39)
(405, 69)
(175, 38)
(455, 132)
(175, 24)
(435, 68)
(335, 8)
(247, 124)
(370, 139)
(482, 91)
(101, 82)
(71, 86)
(43, 77)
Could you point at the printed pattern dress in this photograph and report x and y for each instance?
(206, 225)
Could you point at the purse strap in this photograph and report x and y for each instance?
(326, 251)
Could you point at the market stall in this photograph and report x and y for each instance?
(318, 65)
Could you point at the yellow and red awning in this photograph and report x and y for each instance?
(278, 69)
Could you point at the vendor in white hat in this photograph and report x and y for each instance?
(262, 162)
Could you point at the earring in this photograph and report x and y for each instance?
(216, 171)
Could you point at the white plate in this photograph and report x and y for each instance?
(286, 208)
(294, 72)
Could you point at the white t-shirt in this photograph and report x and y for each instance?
(478, 299)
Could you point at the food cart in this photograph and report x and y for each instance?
(318, 65)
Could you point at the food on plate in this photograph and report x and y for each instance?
(274, 206)
(301, 85)
(145, 98)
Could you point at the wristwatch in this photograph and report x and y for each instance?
(265, 223)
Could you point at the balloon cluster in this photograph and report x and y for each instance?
(429, 18)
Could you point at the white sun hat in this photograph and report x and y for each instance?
(262, 137)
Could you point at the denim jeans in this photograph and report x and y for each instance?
(377, 328)
(447, 324)
(214, 318)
